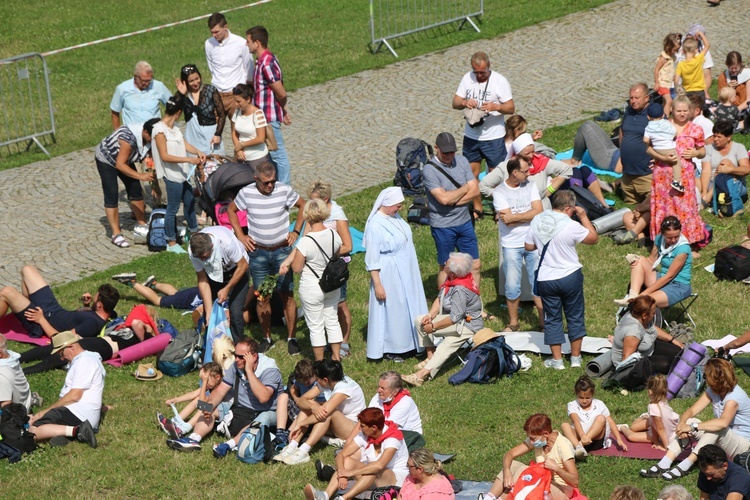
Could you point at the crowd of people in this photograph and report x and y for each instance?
(539, 224)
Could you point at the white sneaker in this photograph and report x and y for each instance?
(575, 361)
(580, 452)
(284, 454)
(333, 441)
(557, 364)
(141, 230)
(623, 302)
(298, 457)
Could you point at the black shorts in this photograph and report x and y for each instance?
(596, 444)
(45, 299)
(183, 299)
(58, 416)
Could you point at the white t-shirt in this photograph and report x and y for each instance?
(519, 201)
(561, 258)
(588, 415)
(397, 464)
(337, 214)
(86, 372)
(175, 172)
(404, 414)
(13, 384)
(354, 403)
(231, 248)
(313, 256)
(247, 130)
(498, 91)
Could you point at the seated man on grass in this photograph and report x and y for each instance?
(40, 314)
(76, 414)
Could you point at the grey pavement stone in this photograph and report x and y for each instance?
(346, 130)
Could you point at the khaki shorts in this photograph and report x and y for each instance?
(636, 187)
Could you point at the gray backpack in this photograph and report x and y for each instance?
(182, 354)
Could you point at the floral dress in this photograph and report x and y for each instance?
(665, 201)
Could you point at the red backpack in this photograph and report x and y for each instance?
(532, 483)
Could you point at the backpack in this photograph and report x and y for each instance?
(13, 428)
(336, 271)
(411, 155)
(587, 201)
(182, 354)
(730, 195)
(532, 484)
(167, 327)
(487, 363)
(419, 212)
(254, 445)
(157, 237)
(732, 263)
(743, 460)
(630, 375)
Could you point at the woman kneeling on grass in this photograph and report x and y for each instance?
(336, 417)
(549, 447)
(377, 456)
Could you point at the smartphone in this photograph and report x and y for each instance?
(204, 406)
(733, 78)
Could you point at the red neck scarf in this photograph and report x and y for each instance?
(467, 281)
(388, 405)
(538, 163)
(391, 432)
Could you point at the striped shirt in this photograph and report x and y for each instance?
(267, 216)
(267, 71)
(107, 150)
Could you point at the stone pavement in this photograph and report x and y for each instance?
(346, 130)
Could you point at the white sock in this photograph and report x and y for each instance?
(489, 496)
(305, 448)
(292, 446)
(195, 437)
(665, 462)
(69, 431)
(231, 444)
(685, 465)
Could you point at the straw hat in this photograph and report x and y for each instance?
(63, 340)
(482, 336)
(147, 372)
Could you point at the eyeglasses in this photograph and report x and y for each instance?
(189, 68)
(143, 80)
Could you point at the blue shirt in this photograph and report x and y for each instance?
(741, 422)
(138, 106)
(686, 273)
(632, 148)
(737, 480)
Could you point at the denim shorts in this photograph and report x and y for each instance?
(492, 151)
(461, 238)
(343, 293)
(676, 292)
(513, 264)
(265, 262)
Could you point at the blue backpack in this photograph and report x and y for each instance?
(730, 194)
(254, 445)
(157, 237)
(487, 363)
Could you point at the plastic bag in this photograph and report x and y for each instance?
(218, 325)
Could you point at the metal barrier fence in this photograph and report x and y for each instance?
(26, 112)
(394, 18)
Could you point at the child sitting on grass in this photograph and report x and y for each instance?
(726, 111)
(287, 407)
(660, 134)
(591, 421)
(658, 425)
(176, 427)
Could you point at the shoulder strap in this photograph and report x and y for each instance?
(442, 171)
(538, 267)
(236, 384)
(321, 249)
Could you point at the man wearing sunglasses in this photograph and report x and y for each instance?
(137, 100)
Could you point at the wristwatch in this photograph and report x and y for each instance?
(694, 426)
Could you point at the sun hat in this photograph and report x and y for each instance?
(63, 340)
(147, 372)
(482, 336)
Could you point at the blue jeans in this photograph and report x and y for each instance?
(513, 259)
(558, 296)
(279, 157)
(264, 262)
(179, 192)
(462, 238)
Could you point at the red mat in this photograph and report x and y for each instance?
(13, 330)
(635, 450)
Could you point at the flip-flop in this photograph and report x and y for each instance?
(120, 241)
(512, 328)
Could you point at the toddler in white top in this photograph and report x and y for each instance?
(660, 134)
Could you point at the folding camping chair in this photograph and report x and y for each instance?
(682, 310)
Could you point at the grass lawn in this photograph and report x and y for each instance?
(479, 422)
(315, 40)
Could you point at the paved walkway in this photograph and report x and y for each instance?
(346, 130)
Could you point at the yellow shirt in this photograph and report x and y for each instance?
(561, 452)
(691, 72)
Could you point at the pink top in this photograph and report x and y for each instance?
(438, 489)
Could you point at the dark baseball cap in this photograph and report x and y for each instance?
(445, 142)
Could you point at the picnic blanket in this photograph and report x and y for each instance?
(534, 342)
(149, 347)
(586, 160)
(13, 330)
(642, 451)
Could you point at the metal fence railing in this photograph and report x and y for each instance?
(394, 18)
(26, 112)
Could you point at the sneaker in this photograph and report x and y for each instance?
(395, 358)
(580, 452)
(575, 361)
(345, 350)
(141, 230)
(221, 450)
(624, 238)
(313, 494)
(59, 441)
(623, 302)
(36, 400)
(125, 278)
(184, 444)
(412, 380)
(176, 249)
(168, 427)
(85, 434)
(298, 457)
(333, 441)
(292, 347)
(150, 282)
(678, 187)
(265, 345)
(324, 472)
(284, 454)
(557, 364)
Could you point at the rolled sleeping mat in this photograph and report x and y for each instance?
(600, 365)
(690, 358)
(609, 222)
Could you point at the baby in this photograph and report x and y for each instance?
(726, 111)
(660, 135)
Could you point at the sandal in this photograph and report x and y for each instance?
(674, 473)
(654, 471)
(120, 241)
(512, 328)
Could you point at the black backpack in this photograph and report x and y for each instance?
(419, 212)
(336, 271)
(487, 363)
(13, 420)
(732, 263)
(411, 155)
